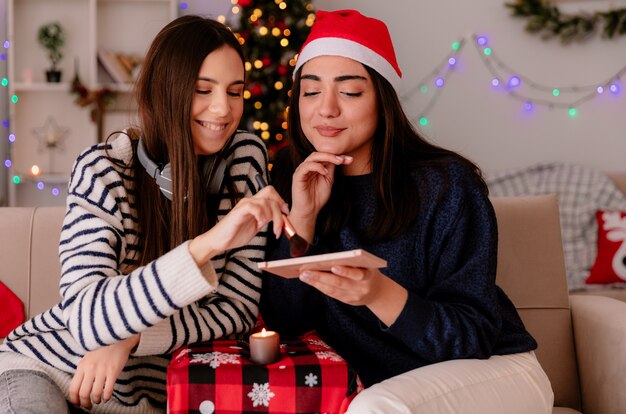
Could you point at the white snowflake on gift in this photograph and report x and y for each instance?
(261, 394)
(310, 380)
(319, 343)
(215, 359)
(183, 353)
(333, 356)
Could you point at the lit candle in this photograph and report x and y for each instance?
(264, 347)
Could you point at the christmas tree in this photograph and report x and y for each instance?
(272, 32)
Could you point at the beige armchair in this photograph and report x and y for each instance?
(582, 338)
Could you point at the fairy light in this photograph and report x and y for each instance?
(528, 106)
(568, 98)
(35, 170)
(505, 78)
(40, 185)
(437, 78)
(514, 81)
(614, 88)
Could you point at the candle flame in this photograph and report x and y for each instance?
(263, 332)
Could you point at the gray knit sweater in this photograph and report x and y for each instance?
(171, 302)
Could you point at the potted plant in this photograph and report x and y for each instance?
(52, 37)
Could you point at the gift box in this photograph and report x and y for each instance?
(218, 378)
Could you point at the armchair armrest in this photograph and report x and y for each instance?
(600, 336)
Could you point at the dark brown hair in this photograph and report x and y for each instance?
(396, 150)
(164, 92)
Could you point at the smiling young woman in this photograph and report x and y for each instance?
(153, 255)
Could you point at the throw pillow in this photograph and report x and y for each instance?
(12, 314)
(610, 263)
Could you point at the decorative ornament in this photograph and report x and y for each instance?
(99, 99)
(547, 19)
(51, 138)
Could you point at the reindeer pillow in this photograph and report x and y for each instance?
(610, 263)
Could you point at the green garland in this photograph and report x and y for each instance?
(548, 20)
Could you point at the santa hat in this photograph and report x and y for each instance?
(349, 34)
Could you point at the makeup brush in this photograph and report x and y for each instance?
(297, 245)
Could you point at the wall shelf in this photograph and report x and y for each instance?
(121, 26)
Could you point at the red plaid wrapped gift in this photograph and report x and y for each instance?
(219, 378)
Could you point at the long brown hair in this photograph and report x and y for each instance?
(164, 92)
(397, 149)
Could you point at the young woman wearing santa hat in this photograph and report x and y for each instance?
(358, 176)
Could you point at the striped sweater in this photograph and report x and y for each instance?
(171, 301)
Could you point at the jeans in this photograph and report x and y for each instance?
(31, 392)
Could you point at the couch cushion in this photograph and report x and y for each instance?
(531, 271)
(609, 265)
(581, 192)
(45, 267)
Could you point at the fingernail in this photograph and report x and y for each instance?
(305, 276)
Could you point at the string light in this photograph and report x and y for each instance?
(35, 170)
(582, 94)
(439, 76)
(504, 78)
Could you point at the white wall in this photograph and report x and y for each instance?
(490, 127)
